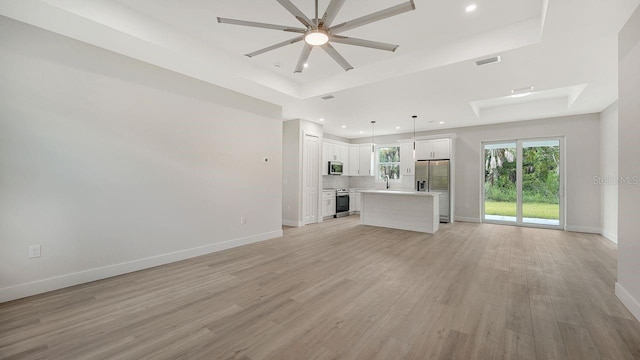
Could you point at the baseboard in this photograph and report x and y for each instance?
(63, 281)
(610, 236)
(584, 229)
(632, 304)
(467, 219)
(292, 223)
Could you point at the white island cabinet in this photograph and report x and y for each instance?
(406, 210)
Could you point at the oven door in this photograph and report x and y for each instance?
(342, 203)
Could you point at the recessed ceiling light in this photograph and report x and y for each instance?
(471, 8)
(397, 127)
(441, 122)
(344, 126)
(321, 119)
(517, 93)
(306, 65)
(361, 132)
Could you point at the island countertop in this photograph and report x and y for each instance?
(401, 192)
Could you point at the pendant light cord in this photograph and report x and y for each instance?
(414, 135)
(414, 131)
(373, 136)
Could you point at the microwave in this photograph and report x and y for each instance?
(335, 168)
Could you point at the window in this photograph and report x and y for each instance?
(389, 162)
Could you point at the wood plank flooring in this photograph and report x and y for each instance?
(340, 290)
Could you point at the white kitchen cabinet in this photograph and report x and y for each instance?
(354, 161)
(360, 160)
(423, 150)
(433, 149)
(344, 158)
(328, 203)
(354, 200)
(441, 148)
(334, 152)
(407, 163)
(366, 160)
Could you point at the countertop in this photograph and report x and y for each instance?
(400, 192)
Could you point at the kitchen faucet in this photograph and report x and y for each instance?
(386, 177)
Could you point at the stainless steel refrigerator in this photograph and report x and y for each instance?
(433, 176)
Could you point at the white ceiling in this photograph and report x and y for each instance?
(566, 49)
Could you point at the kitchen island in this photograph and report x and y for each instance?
(406, 210)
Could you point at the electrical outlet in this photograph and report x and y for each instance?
(34, 251)
(243, 220)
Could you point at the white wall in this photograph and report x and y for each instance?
(582, 140)
(609, 171)
(291, 170)
(113, 165)
(628, 286)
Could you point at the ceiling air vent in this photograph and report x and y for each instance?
(491, 60)
(328, 97)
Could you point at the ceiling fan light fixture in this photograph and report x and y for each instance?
(316, 37)
(320, 31)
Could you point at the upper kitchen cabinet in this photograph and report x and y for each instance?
(357, 160)
(433, 149)
(344, 155)
(360, 160)
(354, 161)
(407, 162)
(366, 160)
(334, 151)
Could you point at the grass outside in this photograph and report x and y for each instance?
(530, 210)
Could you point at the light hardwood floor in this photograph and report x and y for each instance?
(340, 290)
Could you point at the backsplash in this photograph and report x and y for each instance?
(335, 182)
(369, 182)
(365, 182)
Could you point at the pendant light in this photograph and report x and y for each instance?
(373, 136)
(414, 136)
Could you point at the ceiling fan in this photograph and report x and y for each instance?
(320, 32)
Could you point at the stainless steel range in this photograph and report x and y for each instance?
(342, 202)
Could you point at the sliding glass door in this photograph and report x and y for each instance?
(523, 182)
(500, 182)
(541, 182)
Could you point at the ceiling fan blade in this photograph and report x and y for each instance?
(376, 16)
(337, 57)
(304, 56)
(332, 11)
(260, 25)
(273, 47)
(364, 43)
(297, 13)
